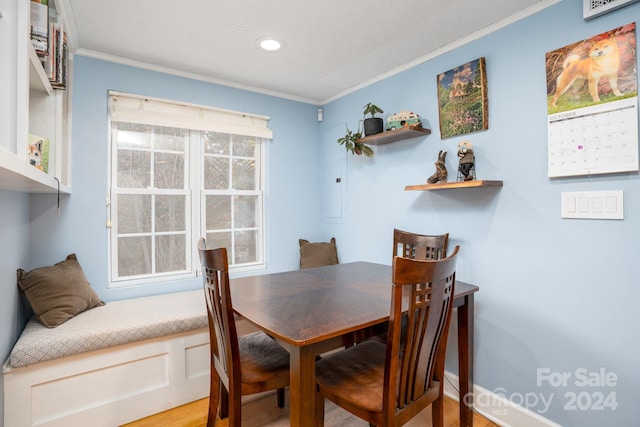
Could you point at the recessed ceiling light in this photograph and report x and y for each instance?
(270, 44)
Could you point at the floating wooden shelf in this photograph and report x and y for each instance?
(395, 135)
(451, 185)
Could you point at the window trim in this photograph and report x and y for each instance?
(194, 162)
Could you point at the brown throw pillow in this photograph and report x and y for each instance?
(318, 254)
(57, 293)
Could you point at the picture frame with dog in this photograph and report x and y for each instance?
(592, 71)
(38, 152)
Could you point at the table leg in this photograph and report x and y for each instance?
(302, 386)
(465, 360)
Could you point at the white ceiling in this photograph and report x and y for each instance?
(331, 46)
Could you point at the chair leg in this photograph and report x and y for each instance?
(224, 402)
(280, 394)
(235, 409)
(214, 399)
(437, 412)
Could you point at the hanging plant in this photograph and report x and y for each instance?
(351, 142)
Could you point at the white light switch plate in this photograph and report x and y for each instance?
(592, 204)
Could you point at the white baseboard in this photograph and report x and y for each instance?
(496, 408)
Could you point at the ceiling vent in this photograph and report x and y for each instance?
(595, 8)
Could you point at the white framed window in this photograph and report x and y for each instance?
(178, 172)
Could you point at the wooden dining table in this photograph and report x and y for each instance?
(312, 311)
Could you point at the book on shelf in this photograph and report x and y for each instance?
(55, 65)
(39, 29)
(38, 152)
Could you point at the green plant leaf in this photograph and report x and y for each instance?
(367, 151)
(372, 109)
(351, 144)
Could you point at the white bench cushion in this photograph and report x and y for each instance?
(116, 323)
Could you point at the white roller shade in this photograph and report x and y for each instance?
(138, 109)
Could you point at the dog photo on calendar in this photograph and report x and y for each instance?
(592, 71)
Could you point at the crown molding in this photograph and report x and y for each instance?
(451, 46)
(194, 76)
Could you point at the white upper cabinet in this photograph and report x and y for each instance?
(31, 107)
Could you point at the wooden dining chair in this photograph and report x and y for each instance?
(387, 384)
(243, 365)
(419, 246)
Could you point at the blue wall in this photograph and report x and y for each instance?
(555, 293)
(14, 235)
(291, 170)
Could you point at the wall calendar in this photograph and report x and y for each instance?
(592, 100)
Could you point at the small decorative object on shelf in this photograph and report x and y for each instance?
(440, 175)
(372, 125)
(352, 143)
(467, 161)
(402, 119)
(38, 152)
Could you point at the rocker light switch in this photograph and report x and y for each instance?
(592, 204)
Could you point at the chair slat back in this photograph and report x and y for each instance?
(413, 363)
(223, 336)
(419, 246)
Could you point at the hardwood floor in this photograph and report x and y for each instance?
(263, 412)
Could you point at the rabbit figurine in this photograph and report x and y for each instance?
(440, 175)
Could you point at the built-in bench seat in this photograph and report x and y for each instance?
(111, 364)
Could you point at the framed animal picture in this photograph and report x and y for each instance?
(38, 152)
(462, 99)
